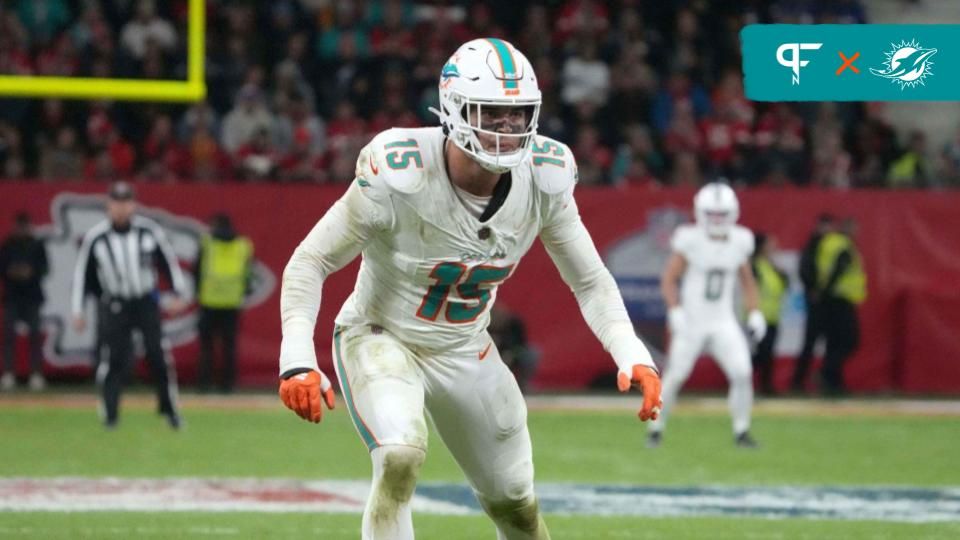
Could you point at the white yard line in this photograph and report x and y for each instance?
(285, 495)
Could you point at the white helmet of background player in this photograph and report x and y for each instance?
(716, 208)
(488, 72)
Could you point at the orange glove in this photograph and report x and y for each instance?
(648, 382)
(301, 394)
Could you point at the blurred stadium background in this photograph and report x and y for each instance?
(649, 96)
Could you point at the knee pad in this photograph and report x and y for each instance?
(742, 378)
(400, 466)
(521, 514)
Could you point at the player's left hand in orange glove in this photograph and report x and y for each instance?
(647, 381)
(301, 394)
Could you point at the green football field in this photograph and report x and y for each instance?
(804, 445)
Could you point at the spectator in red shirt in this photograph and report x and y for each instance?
(59, 59)
(14, 52)
(780, 139)
(206, 161)
(725, 135)
(257, 159)
(300, 162)
(164, 157)
(580, 17)
(112, 157)
(683, 135)
(346, 131)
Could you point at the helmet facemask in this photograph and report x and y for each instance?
(716, 209)
(497, 134)
(717, 222)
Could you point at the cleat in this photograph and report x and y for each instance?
(173, 419)
(744, 440)
(653, 439)
(37, 382)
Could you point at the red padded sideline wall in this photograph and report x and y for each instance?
(910, 243)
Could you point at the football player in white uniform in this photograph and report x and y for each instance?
(710, 257)
(442, 217)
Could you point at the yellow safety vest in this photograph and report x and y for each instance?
(903, 172)
(852, 283)
(772, 288)
(223, 272)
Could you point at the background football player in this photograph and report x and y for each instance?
(442, 216)
(710, 257)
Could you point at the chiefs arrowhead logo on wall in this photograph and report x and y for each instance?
(73, 215)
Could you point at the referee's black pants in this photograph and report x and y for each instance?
(116, 323)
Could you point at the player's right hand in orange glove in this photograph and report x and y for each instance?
(647, 380)
(301, 394)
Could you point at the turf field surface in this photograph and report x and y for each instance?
(807, 444)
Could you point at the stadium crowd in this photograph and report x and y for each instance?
(644, 92)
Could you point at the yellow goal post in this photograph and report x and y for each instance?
(192, 89)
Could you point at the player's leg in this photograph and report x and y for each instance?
(383, 388)
(684, 349)
(842, 339)
(9, 342)
(162, 369)
(812, 331)
(229, 336)
(729, 348)
(479, 412)
(205, 327)
(114, 350)
(32, 318)
(763, 361)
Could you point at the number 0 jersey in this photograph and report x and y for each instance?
(711, 275)
(430, 268)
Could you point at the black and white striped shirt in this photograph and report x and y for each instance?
(123, 264)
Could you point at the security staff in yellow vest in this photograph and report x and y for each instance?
(844, 286)
(772, 284)
(223, 273)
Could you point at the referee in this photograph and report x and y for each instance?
(118, 264)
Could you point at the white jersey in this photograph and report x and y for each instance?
(711, 275)
(431, 269)
(432, 275)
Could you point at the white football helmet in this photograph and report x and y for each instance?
(716, 208)
(483, 73)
